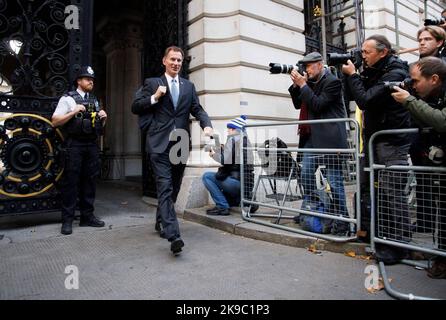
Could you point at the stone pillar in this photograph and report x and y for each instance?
(231, 44)
(123, 53)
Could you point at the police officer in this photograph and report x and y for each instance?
(82, 121)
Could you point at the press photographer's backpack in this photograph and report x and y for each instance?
(276, 163)
(320, 202)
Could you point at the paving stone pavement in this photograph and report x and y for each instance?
(127, 260)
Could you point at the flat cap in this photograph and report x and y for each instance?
(312, 57)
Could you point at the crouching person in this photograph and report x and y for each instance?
(224, 185)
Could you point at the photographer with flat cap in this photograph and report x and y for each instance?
(82, 121)
(382, 112)
(318, 96)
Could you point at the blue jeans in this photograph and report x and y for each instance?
(224, 193)
(334, 176)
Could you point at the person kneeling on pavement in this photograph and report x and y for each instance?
(224, 185)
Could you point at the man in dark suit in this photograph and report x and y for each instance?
(318, 95)
(164, 106)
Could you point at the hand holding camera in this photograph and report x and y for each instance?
(213, 144)
(349, 68)
(298, 79)
(400, 95)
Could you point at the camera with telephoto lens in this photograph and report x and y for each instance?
(434, 22)
(277, 68)
(405, 85)
(337, 59)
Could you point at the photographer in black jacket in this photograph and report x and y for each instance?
(382, 112)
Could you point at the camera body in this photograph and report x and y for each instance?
(277, 68)
(434, 22)
(405, 84)
(213, 146)
(337, 59)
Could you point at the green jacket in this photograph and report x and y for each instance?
(426, 115)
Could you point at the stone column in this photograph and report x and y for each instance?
(123, 52)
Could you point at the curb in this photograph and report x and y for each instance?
(234, 224)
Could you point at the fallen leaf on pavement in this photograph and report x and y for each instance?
(373, 290)
(350, 254)
(313, 249)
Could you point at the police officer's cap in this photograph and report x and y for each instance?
(86, 72)
(312, 57)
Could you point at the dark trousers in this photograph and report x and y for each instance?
(393, 218)
(79, 179)
(168, 183)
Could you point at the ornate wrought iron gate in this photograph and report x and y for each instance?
(42, 46)
(325, 26)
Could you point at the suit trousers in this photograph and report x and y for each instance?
(168, 183)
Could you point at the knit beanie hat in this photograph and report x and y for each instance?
(237, 123)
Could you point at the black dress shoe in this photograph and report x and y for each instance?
(212, 209)
(218, 212)
(254, 208)
(91, 221)
(176, 246)
(159, 229)
(67, 228)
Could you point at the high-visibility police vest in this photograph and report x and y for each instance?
(84, 126)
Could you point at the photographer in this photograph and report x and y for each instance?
(382, 112)
(224, 186)
(431, 40)
(429, 82)
(318, 95)
(82, 127)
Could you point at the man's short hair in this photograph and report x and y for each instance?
(175, 49)
(382, 43)
(432, 65)
(437, 32)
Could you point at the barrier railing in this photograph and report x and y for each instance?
(314, 188)
(408, 205)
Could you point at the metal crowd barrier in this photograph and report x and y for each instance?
(408, 205)
(273, 180)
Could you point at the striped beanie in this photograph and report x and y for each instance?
(237, 123)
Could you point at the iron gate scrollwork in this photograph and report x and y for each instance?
(333, 16)
(39, 56)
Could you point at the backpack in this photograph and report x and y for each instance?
(319, 202)
(276, 163)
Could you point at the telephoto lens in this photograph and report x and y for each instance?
(434, 22)
(277, 68)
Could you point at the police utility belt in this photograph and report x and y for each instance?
(85, 126)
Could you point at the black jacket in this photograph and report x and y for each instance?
(162, 118)
(382, 112)
(324, 101)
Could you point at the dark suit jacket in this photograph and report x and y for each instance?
(324, 101)
(161, 119)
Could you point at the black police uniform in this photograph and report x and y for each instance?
(82, 162)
